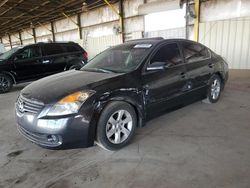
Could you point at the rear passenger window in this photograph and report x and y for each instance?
(194, 52)
(53, 49)
(71, 48)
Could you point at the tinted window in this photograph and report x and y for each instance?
(71, 48)
(29, 53)
(53, 49)
(170, 54)
(9, 53)
(122, 58)
(194, 52)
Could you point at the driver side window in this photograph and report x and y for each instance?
(169, 54)
(28, 53)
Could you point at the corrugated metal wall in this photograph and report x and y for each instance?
(229, 38)
(97, 45)
(169, 33)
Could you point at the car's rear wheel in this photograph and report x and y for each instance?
(6, 83)
(214, 89)
(116, 125)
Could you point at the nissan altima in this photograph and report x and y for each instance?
(117, 91)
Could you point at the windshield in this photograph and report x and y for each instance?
(9, 53)
(121, 59)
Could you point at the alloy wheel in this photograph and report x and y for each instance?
(119, 126)
(4, 84)
(215, 89)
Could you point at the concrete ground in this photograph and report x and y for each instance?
(199, 145)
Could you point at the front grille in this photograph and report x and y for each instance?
(27, 105)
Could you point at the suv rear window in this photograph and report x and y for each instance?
(53, 49)
(72, 48)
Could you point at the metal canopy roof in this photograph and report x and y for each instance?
(16, 15)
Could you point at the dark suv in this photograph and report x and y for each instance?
(35, 61)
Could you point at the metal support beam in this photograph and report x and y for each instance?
(187, 20)
(122, 20)
(53, 32)
(20, 37)
(197, 20)
(44, 26)
(120, 14)
(27, 32)
(73, 21)
(34, 34)
(10, 41)
(79, 25)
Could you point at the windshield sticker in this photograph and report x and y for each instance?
(143, 46)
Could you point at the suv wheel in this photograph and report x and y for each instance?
(74, 67)
(214, 90)
(116, 126)
(6, 83)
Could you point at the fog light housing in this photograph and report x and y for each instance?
(53, 138)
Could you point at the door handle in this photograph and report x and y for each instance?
(146, 89)
(183, 74)
(45, 61)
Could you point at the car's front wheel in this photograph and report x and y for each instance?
(214, 89)
(5, 83)
(116, 125)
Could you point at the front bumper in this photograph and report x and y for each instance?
(73, 129)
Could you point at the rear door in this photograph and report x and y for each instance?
(199, 64)
(164, 87)
(28, 63)
(54, 58)
(74, 54)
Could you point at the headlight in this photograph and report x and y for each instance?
(70, 104)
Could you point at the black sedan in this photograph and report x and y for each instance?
(117, 91)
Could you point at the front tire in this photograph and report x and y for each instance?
(116, 126)
(6, 83)
(214, 90)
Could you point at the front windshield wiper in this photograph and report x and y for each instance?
(105, 70)
(98, 70)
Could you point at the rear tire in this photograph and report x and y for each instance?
(214, 90)
(74, 67)
(116, 126)
(6, 83)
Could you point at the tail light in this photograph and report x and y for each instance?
(85, 55)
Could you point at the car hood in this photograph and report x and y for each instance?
(53, 88)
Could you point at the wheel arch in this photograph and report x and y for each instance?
(72, 63)
(100, 106)
(221, 77)
(11, 75)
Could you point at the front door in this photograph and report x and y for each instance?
(164, 87)
(28, 63)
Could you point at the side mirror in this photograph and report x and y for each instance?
(156, 66)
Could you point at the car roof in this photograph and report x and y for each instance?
(157, 40)
(64, 43)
